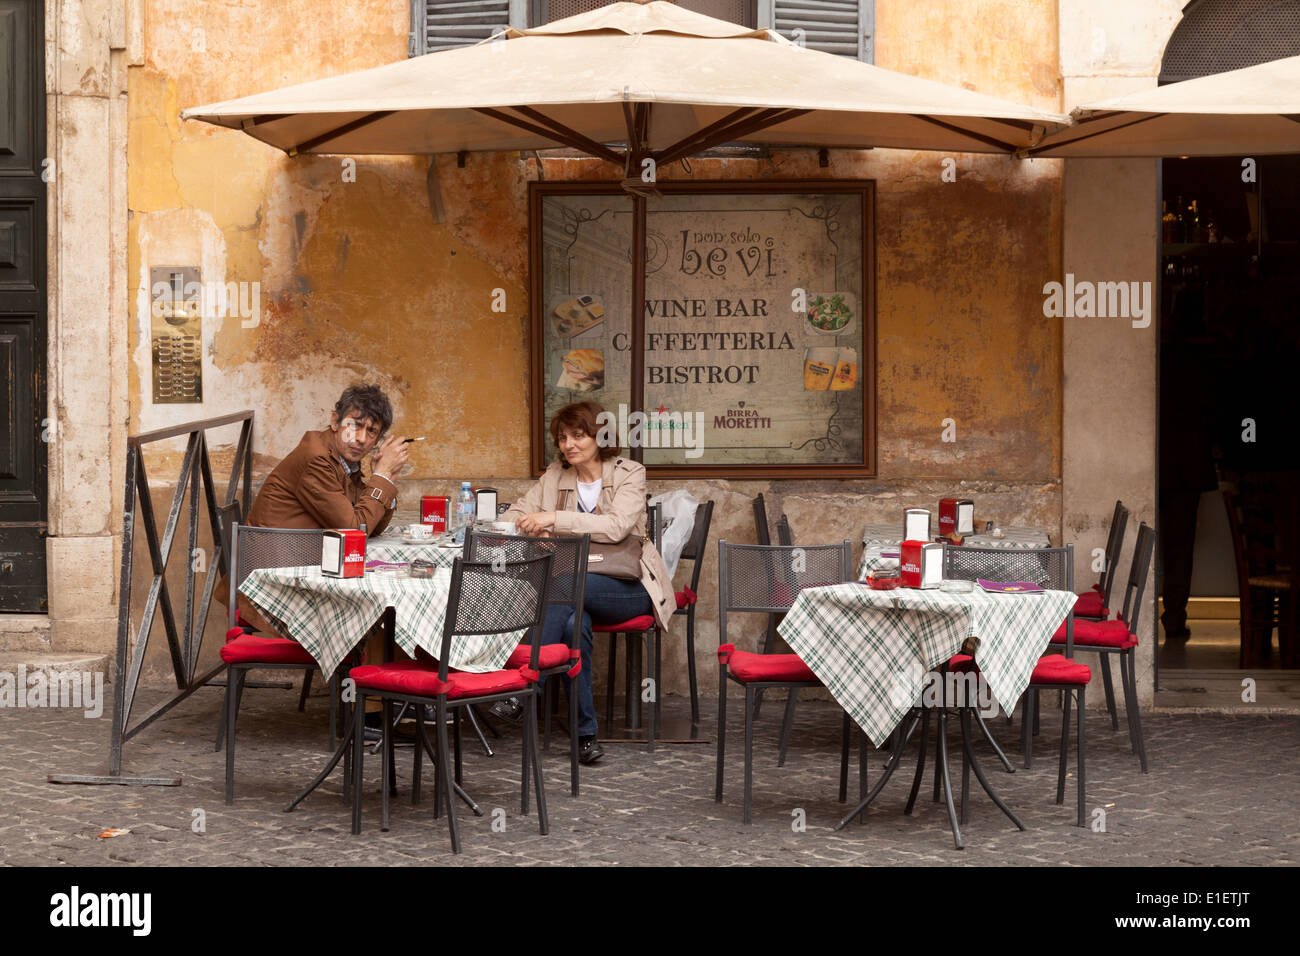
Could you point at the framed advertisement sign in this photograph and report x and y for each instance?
(759, 344)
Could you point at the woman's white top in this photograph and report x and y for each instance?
(588, 494)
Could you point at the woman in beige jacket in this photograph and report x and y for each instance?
(592, 489)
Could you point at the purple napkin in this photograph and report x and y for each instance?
(1008, 587)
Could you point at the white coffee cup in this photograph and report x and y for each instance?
(504, 527)
(419, 531)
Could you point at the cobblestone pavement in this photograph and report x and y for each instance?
(1221, 791)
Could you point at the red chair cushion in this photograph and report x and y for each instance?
(1089, 605)
(250, 649)
(233, 633)
(748, 667)
(642, 622)
(548, 656)
(421, 680)
(685, 598)
(1098, 634)
(1059, 669)
(961, 663)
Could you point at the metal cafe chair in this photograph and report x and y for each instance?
(764, 580)
(763, 535)
(1051, 568)
(1118, 636)
(1094, 604)
(642, 626)
(785, 537)
(694, 552)
(568, 582)
(250, 549)
(485, 598)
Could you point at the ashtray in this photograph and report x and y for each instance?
(421, 569)
(884, 583)
(953, 586)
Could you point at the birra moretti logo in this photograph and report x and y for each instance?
(78, 909)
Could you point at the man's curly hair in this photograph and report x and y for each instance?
(370, 401)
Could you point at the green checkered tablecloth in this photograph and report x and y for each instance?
(873, 559)
(385, 548)
(329, 616)
(872, 649)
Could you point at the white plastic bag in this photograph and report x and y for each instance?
(677, 510)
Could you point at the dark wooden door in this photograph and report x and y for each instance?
(24, 430)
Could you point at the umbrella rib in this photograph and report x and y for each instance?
(986, 140)
(684, 145)
(1108, 129)
(1293, 117)
(555, 130)
(308, 145)
(741, 127)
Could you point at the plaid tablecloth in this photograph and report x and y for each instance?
(874, 560)
(329, 616)
(1014, 536)
(385, 548)
(872, 649)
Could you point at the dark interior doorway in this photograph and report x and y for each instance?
(1229, 366)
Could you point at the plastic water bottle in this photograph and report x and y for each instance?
(464, 512)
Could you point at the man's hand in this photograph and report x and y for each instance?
(536, 523)
(390, 458)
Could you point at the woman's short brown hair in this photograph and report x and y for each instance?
(586, 418)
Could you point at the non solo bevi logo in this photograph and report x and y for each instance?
(76, 909)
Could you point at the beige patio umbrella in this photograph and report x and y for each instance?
(655, 80)
(1252, 111)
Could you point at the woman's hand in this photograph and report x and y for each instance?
(536, 523)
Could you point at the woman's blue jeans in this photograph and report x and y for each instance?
(606, 601)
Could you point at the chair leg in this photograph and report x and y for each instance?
(690, 669)
(334, 708)
(386, 763)
(652, 665)
(964, 720)
(1036, 709)
(573, 739)
(1110, 691)
(862, 773)
(1026, 737)
(1131, 706)
(722, 730)
(787, 723)
(1083, 776)
(1065, 747)
(942, 758)
(543, 823)
(544, 702)
(444, 773)
(358, 754)
(234, 677)
(988, 735)
(472, 716)
(845, 730)
(389, 743)
(456, 742)
(417, 761)
(749, 749)
(768, 644)
(658, 688)
(306, 689)
(530, 713)
(225, 706)
(609, 686)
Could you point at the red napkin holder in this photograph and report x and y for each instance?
(956, 516)
(343, 553)
(433, 511)
(920, 564)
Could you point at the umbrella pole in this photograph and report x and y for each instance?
(638, 310)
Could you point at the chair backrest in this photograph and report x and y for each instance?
(783, 533)
(496, 599)
(255, 548)
(1137, 576)
(767, 578)
(654, 526)
(695, 547)
(760, 521)
(568, 565)
(228, 516)
(1051, 568)
(1114, 545)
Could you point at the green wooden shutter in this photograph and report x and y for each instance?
(843, 27)
(447, 24)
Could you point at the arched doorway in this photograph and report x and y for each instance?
(1229, 332)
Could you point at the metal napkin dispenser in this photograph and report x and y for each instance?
(916, 525)
(920, 564)
(956, 516)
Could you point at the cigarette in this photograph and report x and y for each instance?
(406, 441)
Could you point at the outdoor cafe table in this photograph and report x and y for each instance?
(873, 649)
(329, 616)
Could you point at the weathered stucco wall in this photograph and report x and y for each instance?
(390, 277)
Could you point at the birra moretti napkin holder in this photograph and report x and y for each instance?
(916, 525)
(920, 564)
(343, 553)
(956, 516)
